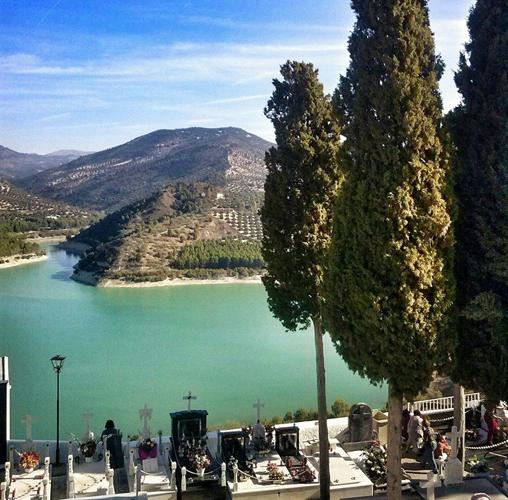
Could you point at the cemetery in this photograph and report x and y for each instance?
(260, 461)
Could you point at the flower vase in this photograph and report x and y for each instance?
(88, 460)
(28, 470)
(201, 472)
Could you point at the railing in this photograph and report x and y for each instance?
(439, 405)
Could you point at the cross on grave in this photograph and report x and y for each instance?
(87, 417)
(28, 421)
(454, 436)
(429, 485)
(145, 414)
(188, 398)
(258, 405)
(454, 470)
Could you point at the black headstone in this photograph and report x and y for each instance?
(360, 423)
(4, 409)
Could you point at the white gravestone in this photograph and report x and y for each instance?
(28, 421)
(258, 405)
(145, 414)
(454, 471)
(87, 417)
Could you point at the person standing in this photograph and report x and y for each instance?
(429, 445)
(415, 431)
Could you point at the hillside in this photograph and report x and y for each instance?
(25, 212)
(107, 180)
(14, 165)
(176, 232)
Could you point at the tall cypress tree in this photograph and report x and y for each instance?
(389, 284)
(300, 188)
(480, 129)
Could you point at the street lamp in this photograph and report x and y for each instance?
(57, 362)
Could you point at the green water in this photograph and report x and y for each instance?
(125, 347)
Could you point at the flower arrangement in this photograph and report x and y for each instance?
(29, 460)
(200, 460)
(147, 449)
(375, 463)
(274, 473)
(147, 445)
(87, 448)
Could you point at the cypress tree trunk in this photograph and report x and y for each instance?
(459, 418)
(324, 459)
(394, 491)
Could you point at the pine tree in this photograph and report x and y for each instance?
(389, 285)
(300, 188)
(480, 130)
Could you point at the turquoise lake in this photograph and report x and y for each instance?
(131, 346)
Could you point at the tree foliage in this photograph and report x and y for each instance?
(213, 254)
(300, 187)
(13, 244)
(340, 408)
(480, 130)
(389, 286)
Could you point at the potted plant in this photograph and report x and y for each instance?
(28, 460)
(201, 462)
(375, 463)
(88, 446)
(147, 449)
(274, 473)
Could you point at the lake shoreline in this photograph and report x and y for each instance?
(180, 282)
(47, 239)
(19, 260)
(88, 278)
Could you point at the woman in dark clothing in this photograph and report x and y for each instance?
(429, 445)
(109, 429)
(112, 439)
(406, 416)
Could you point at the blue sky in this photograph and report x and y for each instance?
(91, 74)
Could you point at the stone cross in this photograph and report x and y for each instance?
(28, 421)
(87, 417)
(188, 398)
(258, 405)
(455, 439)
(145, 414)
(454, 470)
(429, 486)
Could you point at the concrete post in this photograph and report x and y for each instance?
(235, 477)
(223, 474)
(70, 477)
(45, 489)
(173, 476)
(184, 479)
(111, 486)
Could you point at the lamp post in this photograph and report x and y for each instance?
(57, 362)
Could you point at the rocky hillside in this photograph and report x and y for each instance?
(25, 212)
(14, 165)
(176, 232)
(226, 157)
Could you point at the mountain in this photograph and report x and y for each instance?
(107, 180)
(176, 232)
(70, 154)
(14, 165)
(24, 212)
